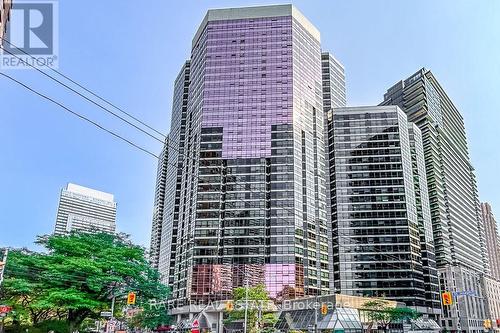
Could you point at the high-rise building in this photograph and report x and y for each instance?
(380, 219)
(469, 308)
(427, 251)
(85, 209)
(333, 73)
(458, 234)
(249, 197)
(491, 292)
(5, 8)
(491, 237)
(159, 206)
(450, 177)
(334, 96)
(176, 176)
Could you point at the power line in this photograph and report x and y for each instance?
(92, 101)
(235, 177)
(79, 115)
(167, 142)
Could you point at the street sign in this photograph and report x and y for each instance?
(105, 313)
(464, 293)
(131, 298)
(5, 308)
(195, 326)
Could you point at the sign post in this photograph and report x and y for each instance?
(105, 313)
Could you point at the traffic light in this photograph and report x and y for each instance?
(324, 309)
(131, 298)
(229, 306)
(447, 298)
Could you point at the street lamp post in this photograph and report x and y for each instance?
(316, 315)
(111, 319)
(246, 304)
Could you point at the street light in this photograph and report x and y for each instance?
(246, 304)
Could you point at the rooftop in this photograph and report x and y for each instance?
(256, 12)
(89, 192)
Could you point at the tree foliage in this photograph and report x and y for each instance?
(379, 311)
(150, 317)
(259, 319)
(77, 277)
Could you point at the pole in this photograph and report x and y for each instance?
(259, 318)
(2, 323)
(246, 305)
(111, 319)
(316, 315)
(3, 263)
(113, 306)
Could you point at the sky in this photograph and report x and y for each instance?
(130, 52)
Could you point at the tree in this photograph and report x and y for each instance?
(22, 290)
(150, 317)
(78, 276)
(260, 318)
(379, 311)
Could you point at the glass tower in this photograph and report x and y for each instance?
(455, 212)
(250, 203)
(379, 218)
(460, 245)
(173, 164)
(159, 205)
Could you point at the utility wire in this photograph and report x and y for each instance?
(121, 118)
(79, 115)
(235, 177)
(92, 101)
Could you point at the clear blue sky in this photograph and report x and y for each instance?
(131, 51)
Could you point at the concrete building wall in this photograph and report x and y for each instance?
(85, 209)
(5, 7)
(490, 229)
(468, 311)
(491, 290)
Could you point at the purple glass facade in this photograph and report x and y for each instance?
(251, 203)
(248, 82)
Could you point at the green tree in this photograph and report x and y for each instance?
(150, 317)
(379, 311)
(78, 276)
(260, 318)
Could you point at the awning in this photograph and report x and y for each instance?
(337, 319)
